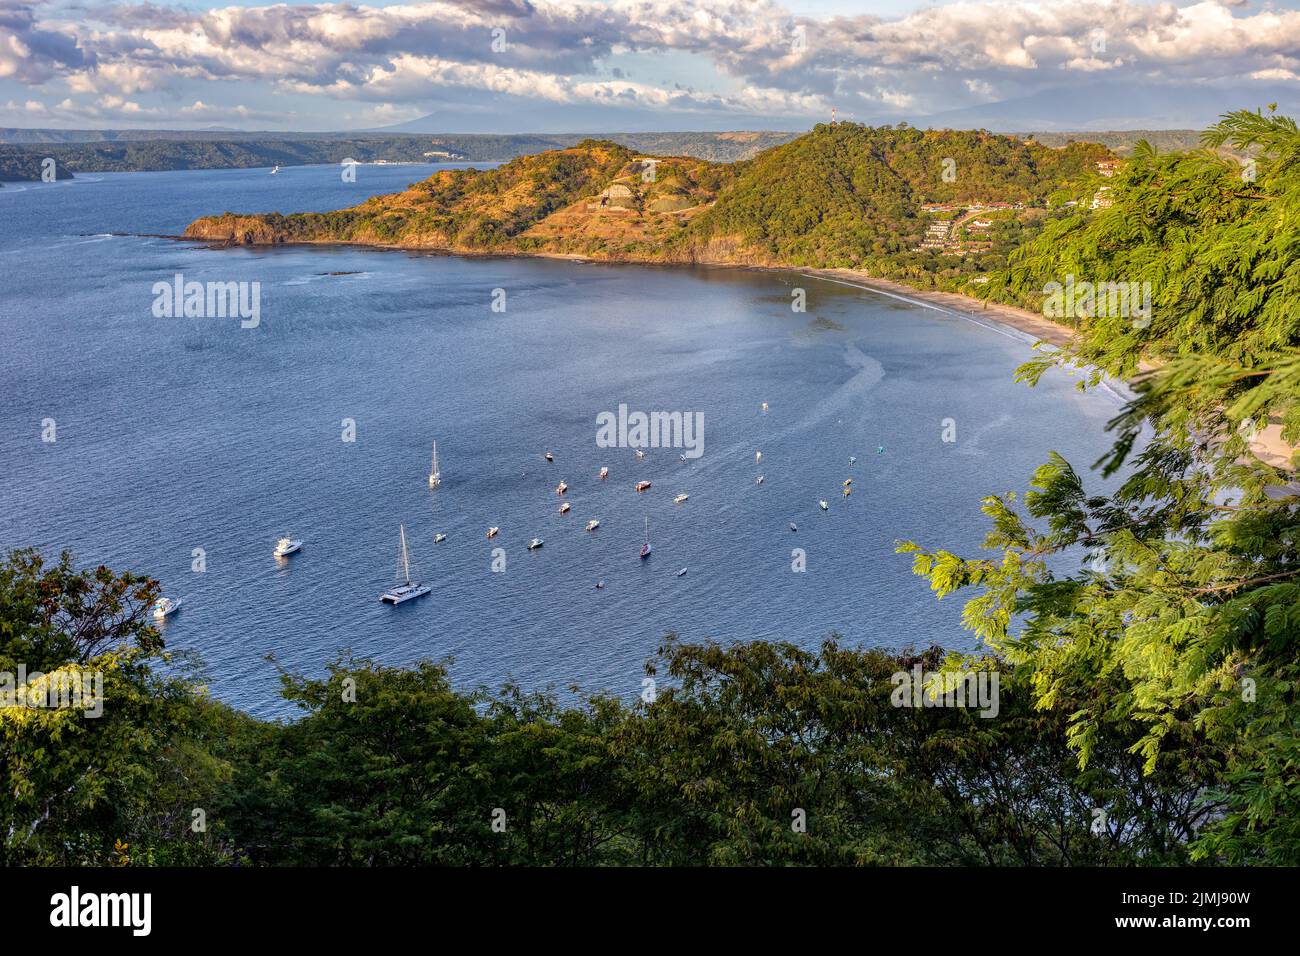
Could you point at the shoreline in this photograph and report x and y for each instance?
(1267, 445)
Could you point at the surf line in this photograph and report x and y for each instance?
(1009, 332)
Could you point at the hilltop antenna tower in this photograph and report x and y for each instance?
(832, 116)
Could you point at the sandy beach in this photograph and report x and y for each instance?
(1267, 445)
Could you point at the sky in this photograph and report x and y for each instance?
(510, 66)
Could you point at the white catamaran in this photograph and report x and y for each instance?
(408, 589)
(435, 476)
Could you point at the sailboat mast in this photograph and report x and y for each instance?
(406, 562)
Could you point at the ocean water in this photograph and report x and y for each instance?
(176, 434)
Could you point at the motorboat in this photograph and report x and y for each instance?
(535, 544)
(287, 546)
(164, 607)
(679, 499)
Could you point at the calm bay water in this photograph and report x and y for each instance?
(176, 434)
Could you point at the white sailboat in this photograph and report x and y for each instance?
(435, 476)
(408, 589)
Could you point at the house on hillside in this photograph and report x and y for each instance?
(1108, 167)
(615, 196)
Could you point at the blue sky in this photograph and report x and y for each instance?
(605, 65)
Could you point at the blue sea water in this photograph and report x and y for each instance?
(175, 434)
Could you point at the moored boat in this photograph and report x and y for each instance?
(593, 524)
(286, 546)
(679, 499)
(604, 473)
(535, 544)
(492, 531)
(408, 589)
(564, 508)
(165, 607)
(642, 485)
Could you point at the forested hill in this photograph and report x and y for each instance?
(231, 151)
(843, 195)
(17, 165)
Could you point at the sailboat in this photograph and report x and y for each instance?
(435, 476)
(645, 548)
(408, 589)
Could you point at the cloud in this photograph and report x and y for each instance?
(765, 60)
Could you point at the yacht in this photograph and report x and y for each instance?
(645, 548)
(642, 485)
(564, 508)
(679, 499)
(166, 606)
(492, 531)
(604, 473)
(439, 538)
(408, 589)
(823, 505)
(593, 524)
(535, 544)
(435, 476)
(561, 488)
(287, 546)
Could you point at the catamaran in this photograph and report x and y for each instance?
(165, 606)
(645, 548)
(435, 476)
(408, 589)
(287, 546)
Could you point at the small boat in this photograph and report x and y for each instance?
(645, 548)
(682, 457)
(823, 505)
(679, 499)
(604, 473)
(408, 589)
(847, 491)
(758, 456)
(535, 544)
(852, 459)
(439, 538)
(274, 171)
(561, 488)
(593, 524)
(600, 585)
(880, 449)
(550, 457)
(759, 481)
(492, 531)
(435, 476)
(681, 572)
(765, 406)
(564, 508)
(642, 485)
(287, 546)
(847, 482)
(640, 454)
(166, 606)
(793, 526)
